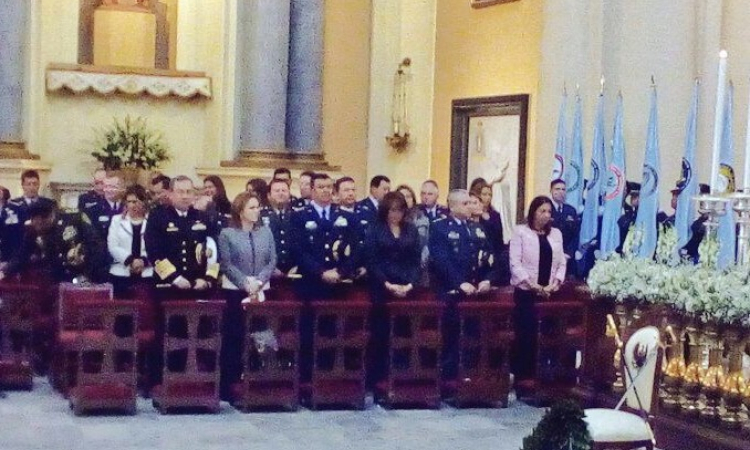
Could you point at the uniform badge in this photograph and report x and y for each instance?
(198, 227)
(69, 233)
(199, 253)
(453, 235)
(480, 233)
(310, 225)
(266, 221)
(12, 218)
(171, 227)
(103, 218)
(340, 222)
(363, 222)
(89, 204)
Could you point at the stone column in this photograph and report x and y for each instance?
(305, 93)
(262, 69)
(13, 24)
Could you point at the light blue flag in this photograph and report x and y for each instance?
(688, 183)
(615, 188)
(595, 187)
(574, 167)
(648, 207)
(726, 230)
(558, 165)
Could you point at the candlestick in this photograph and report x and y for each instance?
(719, 120)
(746, 174)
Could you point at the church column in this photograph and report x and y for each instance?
(305, 93)
(13, 22)
(262, 69)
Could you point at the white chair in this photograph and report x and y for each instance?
(641, 366)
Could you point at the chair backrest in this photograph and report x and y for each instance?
(72, 296)
(642, 368)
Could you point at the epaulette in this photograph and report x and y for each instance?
(15, 203)
(439, 220)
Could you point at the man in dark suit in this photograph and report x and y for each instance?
(305, 190)
(428, 195)
(178, 242)
(60, 245)
(460, 267)
(366, 212)
(89, 198)
(30, 185)
(564, 217)
(101, 210)
(11, 228)
(325, 240)
(345, 192)
(278, 217)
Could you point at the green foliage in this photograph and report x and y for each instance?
(561, 428)
(130, 144)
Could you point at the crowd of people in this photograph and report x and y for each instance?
(174, 239)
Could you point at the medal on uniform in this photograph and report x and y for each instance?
(199, 253)
(171, 227)
(69, 233)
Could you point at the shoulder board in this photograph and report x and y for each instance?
(442, 219)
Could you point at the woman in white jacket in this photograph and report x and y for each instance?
(130, 262)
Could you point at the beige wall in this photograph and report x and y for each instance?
(346, 85)
(60, 128)
(484, 52)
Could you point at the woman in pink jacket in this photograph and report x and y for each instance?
(537, 268)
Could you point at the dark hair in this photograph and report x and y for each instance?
(282, 170)
(307, 173)
(318, 176)
(393, 199)
(377, 180)
(537, 203)
(5, 194)
(164, 180)
(556, 181)
(137, 190)
(340, 181)
(42, 209)
(260, 187)
(270, 185)
(31, 173)
(477, 185)
(221, 201)
(411, 191)
(238, 204)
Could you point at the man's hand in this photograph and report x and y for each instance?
(331, 276)
(201, 284)
(552, 287)
(181, 283)
(252, 286)
(468, 288)
(483, 286)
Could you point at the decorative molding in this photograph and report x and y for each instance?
(15, 150)
(270, 159)
(483, 3)
(80, 79)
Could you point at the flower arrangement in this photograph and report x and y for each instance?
(129, 143)
(699, 290)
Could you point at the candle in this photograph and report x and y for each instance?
(721, 87)
(746, 177)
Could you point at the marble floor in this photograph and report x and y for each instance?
(40, 419)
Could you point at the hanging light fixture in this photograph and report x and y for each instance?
(399, 140)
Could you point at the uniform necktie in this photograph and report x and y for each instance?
(325, 215)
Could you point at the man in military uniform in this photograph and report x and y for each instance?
(61, 246)
(159, 191)
(278, 217)
(565, 218)
(305, 190)
(178, 242)
(366, 213)
(11, 228)
(30, 185)
(462, 265)
(101, 210)
(325, 239)
(89, 198)
(428, 195)
(345, 189)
